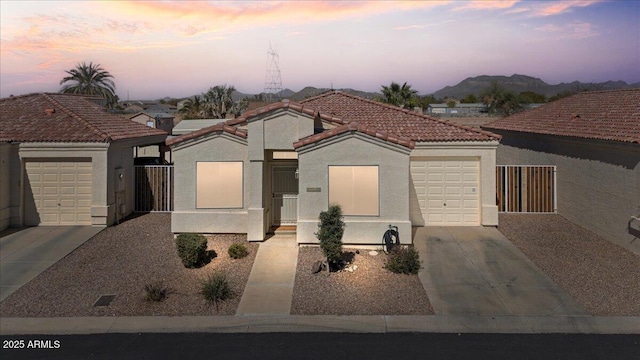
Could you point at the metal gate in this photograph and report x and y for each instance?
(153, 188)
(284, 203)
(526, 189)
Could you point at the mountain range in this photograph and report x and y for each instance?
(472, 85)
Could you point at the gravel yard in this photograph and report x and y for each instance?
(120, 261)
(368, 290)
(602, 277)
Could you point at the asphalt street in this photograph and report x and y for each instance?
(323, 346)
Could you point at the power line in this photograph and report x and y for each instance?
(273, 78)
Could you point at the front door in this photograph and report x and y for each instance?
(284, 202)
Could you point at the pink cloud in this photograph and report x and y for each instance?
(555, 8)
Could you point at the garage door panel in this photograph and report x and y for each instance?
(454, 182)
(61, 192)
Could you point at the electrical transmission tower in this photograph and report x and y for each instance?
(273, 80)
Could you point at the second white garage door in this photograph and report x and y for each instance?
(61, 193)
(447, 191)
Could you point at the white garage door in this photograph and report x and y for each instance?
(447, 191)
(61, 193)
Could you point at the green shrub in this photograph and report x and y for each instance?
(403, 260)
(216, 289)
(156, 291)
(330, 231)
(238, 251)
(192, 249)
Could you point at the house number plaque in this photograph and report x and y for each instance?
(314, 189)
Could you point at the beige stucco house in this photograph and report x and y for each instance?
(593, 139)
(286, 162)
(65, 161)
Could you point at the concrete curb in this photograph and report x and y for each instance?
(322, 323)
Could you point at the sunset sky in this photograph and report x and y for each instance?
(181, 48)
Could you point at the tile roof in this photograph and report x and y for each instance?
(217, 128)
(605, 115)
(391, 119)
(52, 117)
(355, 127)
(285, 104)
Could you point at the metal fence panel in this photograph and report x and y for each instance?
(153, 188)
(526, 188)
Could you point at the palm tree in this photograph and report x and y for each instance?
(397, 95)
(218, 102)
(192, 109)
(500, 100)
(90, 80)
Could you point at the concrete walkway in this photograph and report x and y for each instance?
(25, 253)
(478, 271)
(270, 286)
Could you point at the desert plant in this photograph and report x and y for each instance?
(238, 251)
(403, 260)
(192, 249)
(330, 231)
(156, 291)
(216, 289)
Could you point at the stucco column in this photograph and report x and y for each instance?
(256, 215)
(488, 181)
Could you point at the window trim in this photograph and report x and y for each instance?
(377, 166)
(241, 186)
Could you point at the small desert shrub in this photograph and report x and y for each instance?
(330, 231)
(238, 251)
(403, 260)
(156, 291)
(192, 249)
(216, 289)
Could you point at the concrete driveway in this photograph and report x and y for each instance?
(25, 253)
(478, 271)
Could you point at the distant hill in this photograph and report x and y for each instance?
(473, 85)
(519, 83)
(310, 91)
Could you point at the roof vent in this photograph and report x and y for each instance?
(49, 111)
(575, 116)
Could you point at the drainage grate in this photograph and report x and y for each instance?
(104, 300)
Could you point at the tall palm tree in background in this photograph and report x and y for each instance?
(402, 96)
(90, 79)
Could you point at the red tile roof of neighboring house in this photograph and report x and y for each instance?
(606, 115)
(217, 128)
(51, 117)
(355, 127)
(391, 119)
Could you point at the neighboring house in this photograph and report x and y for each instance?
(158, 120)
(444, 110)
(593, 138)
(65, 161)
(286, 162)
(191, 125)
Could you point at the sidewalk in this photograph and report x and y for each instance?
(322, 323)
